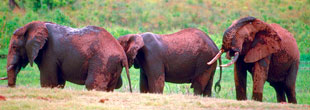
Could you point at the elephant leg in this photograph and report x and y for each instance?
(290, 83)
(208, 90)
(144, 88)
(291, 94)
(103, 76)
(119, 83)
(156, 83)
(155, 74)
(200, 82)
(61, 81)
(209, 79)
(240, 77)
(280, 91)
(156, 78)
(260, 74)
(96, 77)
(89, 82)
(50, 75)
(101, 81)
(97, 81)
(198, 90)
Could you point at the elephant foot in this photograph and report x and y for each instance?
(257, 96)
(119, 83)
(241, 95)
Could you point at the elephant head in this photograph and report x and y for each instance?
(131, 43)
(250, 37)
(24, 48)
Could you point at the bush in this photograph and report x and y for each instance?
(160, 16)
(35, 5)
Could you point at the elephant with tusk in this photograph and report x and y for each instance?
(268, 51)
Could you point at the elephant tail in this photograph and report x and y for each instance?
(217, 87)
(125, 64)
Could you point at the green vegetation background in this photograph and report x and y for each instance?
(121, 17)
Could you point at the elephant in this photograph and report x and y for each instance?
(88, 56)
(268, 51)
(178, 58)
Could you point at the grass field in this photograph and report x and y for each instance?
(121, 17)
(57, 99)
(29, 77)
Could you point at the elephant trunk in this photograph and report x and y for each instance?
(11, 77)
(13, 69)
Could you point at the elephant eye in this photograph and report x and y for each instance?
(14, 46)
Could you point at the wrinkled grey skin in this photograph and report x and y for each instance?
(89, 55)
(178, 58)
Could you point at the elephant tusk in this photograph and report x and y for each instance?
(217, 56)
(233, 61)
(4, 78)
(9, 68)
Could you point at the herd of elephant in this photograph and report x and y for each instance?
(91, 56)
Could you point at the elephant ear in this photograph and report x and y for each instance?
(131, 44)
(266, 42)
(135, 42)
(36, 35)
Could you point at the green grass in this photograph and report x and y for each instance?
(29, 77)
(162, 16)
(121, 17)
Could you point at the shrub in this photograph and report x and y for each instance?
(35, 5)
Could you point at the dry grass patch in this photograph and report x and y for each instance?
(62, 99)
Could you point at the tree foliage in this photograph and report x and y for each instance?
(35, 5)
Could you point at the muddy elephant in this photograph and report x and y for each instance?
(89, 56)
(268, 51)
(178, 58)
